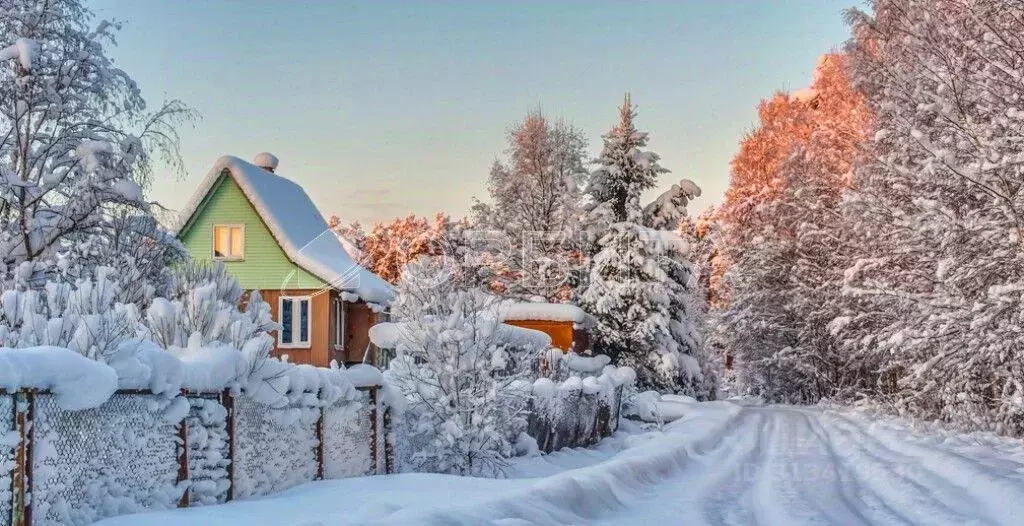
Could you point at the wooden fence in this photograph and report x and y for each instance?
(60, 460)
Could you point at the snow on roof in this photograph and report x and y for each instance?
(387, 335)
(297, 225)
(350, 247)
(513, 311)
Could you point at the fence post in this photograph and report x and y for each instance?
(21, 479)
(618, 408)
(389, 446)
(228, 401)
(183, 457)
(374, 432)
(320, 446)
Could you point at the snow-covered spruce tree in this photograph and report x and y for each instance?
(77, 136)
(639, 293)
(466, 408)
(639, 286)
(624, 170)
(939, 269)
(531, 221)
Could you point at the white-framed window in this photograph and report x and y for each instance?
(228, 241)
(339, 324)
(295, 314)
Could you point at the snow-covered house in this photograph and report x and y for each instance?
(272, 238)
(565, 324)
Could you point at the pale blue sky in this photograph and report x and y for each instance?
(385, 108)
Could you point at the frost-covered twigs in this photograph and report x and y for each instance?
(78, 137)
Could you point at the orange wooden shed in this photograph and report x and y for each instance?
(566, 324)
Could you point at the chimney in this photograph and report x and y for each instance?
(266, 160)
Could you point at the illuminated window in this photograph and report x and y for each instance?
(228, 241)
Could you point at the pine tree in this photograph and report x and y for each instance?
(624, 170)
(639, 284)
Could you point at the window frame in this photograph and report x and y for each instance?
(296, 343)
(340, 318)
(213, 241)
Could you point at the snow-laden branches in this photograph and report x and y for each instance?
(467, 390)
(76, 138)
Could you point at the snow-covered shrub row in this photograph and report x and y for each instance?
(118, 458)
(208, 451)
(559, 365)
(578, 411)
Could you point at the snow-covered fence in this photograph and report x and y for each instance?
(578, 411)
(139, 450)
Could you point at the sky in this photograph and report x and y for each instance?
(384, 108)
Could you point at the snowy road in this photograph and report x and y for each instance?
(780, 465)
(723, 464)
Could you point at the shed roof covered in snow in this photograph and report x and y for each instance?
(520, 311)
(297, 226)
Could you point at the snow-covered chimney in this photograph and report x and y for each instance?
(266, 160)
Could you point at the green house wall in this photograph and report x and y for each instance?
(265, 266)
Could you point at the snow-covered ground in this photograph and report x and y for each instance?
(723, 463)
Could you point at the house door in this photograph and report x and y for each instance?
(358, 320)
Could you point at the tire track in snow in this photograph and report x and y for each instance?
(798, 483)
(903, 482)
(1000, 497)
(851, 489)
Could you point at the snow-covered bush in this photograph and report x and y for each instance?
(577, 410)
(83, 315)
(465, 407)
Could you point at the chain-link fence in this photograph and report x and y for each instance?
(209, 450)
(347, 442)
(117, 458)
(9, 439)
(275, 448)
(140, 451)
